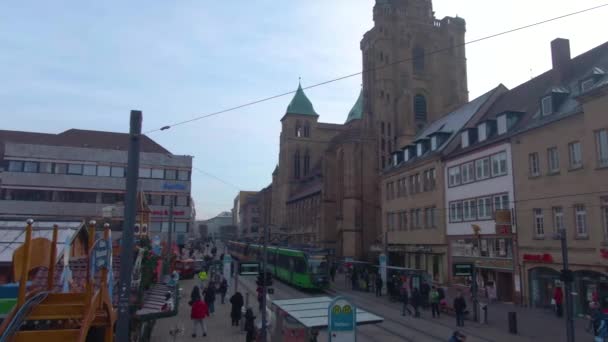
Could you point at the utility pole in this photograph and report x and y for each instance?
(567, 279)
(127, 244)
(170, 236)
(264, 261)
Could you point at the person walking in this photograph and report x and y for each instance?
(404, 300)
(434, 300)
(425, 290)
(260, 295)
(237, 305)
(460, 306)
(249, 325)
(416, 301)
(195, 294)
(210, 297)
(198, 313)
(332, 273)
(378, 285)
(558, 298)
(223, 289)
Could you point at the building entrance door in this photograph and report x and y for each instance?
(504, 286)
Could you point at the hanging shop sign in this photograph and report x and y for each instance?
(462, 269)
(503, 221)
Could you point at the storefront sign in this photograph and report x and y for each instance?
(174, 186)
(494, 263)
(604, 253)
(546, 258)
(342, 320)
(462, 269)
(419, 249)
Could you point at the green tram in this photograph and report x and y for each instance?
(302, 268)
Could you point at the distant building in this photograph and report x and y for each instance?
(77, 173)
(227, 233)
(245, 214)
(212, 226)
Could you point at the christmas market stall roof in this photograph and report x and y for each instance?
(312, 312)
(12, 235)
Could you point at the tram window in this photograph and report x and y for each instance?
(299, 265)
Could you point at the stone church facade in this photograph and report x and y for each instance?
(325, 189)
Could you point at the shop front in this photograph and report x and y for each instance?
(493, 261)
(430, 259)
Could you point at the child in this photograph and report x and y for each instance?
(197, 314)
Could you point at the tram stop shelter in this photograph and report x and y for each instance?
(299, 320)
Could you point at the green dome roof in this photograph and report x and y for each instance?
(356, 112)
(300, 104)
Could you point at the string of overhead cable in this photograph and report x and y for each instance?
(216, 178)
(179, 123)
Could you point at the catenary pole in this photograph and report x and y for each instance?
(567, 289)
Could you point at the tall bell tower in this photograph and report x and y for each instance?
(407, 83)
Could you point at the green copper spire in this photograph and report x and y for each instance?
(357, 112)
(300, 104)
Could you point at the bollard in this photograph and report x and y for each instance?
(484, 309)
(512, 322)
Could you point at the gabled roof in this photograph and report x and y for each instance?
(356, 112)
(300, 104)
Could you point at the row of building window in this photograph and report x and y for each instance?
(478, 170)
(93, 170)
(84, 197)
(416, 185)
(575, 156)
(302, 131)
(401, 221)
(477, 209)
(580, 220)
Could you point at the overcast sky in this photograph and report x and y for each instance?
(86, 64)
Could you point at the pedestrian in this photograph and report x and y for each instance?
(195, 294)
(332, 273)
(558, 297)
(223, 289)
(457, 337)
(260, 292)
(237, 305)
(378, 285)
(168, 304)
(460, 306)
(366, 280)
(416, 301)
(198, 313)
(425, 289)
(210, 297)
(405, 300)
(434, 300)
(353, 279)
(249, 325)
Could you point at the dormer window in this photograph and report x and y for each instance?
(546, 105)
(501, 122)
(587, 84)
(464, 139)
(406, 154)
(482, 132)
(434, 143)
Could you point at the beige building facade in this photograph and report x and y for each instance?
(561, 181)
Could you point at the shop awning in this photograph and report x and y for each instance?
(312, 312)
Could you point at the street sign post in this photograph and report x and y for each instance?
(342, 320)
(382, 261)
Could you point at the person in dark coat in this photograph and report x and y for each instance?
(237, 305)
(416, 301)
(425, 290)
(210, 297)
(250, 325)
(223, 289)
(558, 297)
(378, 285)
(460, 306)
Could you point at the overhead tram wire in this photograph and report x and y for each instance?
(166, 127)
(216, 178)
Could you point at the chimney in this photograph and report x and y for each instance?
(560, 55)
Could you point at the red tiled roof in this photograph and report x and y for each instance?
(82, 138)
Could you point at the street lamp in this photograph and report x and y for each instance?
(566, 277)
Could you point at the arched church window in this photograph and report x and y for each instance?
(298, 129)
(296, 165)
(306, 163)
(420, 108)
(306, 129)
(418, 59)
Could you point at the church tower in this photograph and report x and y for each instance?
(414, 71)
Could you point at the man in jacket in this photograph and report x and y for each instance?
(237, 303)
(460, 306)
